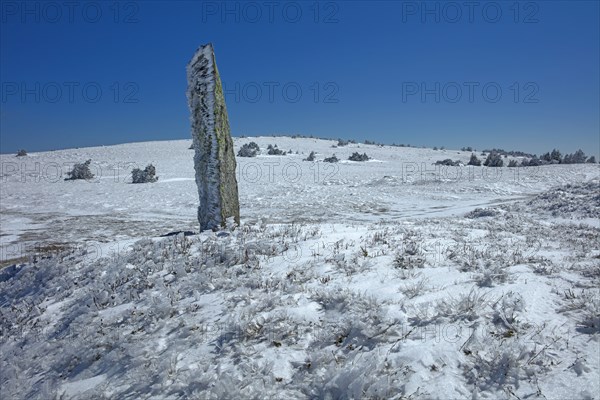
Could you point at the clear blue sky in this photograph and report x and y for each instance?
(366, 70)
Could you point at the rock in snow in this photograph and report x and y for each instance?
(214, 159)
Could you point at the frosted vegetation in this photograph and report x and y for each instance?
(80, 171)
(493, 160)
(274, 151)
(356, 156)
(147, 175)
(311, 156)
(249, 150)
(379, 279)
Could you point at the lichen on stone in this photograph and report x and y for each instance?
(214, 160)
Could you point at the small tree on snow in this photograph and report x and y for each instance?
(21, 153)
(80, 171)
(474, 160)
(493, 160)
(311, 157)
(556, 156)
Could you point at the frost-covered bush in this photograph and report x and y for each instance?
(274, 151)
(358, 157)
(21, 153)
(342, 142)
(466, 306)
(449, 162)
(569, 200)
(512, 163)
(474, 160)
(332, 159)
(148, 175)
(414, 289)
(506, 313)
(311, 157)
(482, 212)
(491, 274)
(591, 160)
(532, 162)
(494, 160)
(411, 256)
(80, 171)
(249, 150)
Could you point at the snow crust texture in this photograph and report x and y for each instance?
(387, 278)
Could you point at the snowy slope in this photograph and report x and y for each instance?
(383, 279)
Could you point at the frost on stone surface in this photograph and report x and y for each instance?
(214, 159)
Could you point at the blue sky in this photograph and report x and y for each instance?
(521, 76)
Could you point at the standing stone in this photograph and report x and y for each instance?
(214, 159)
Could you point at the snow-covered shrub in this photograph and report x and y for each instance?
(342, 142)
(591, 160)
(80, 171)
(589, 321)
(498, 367)
(414, 289)
(21, 153)
(274, 151)
(332, 159)
(584, 307)
(449, 162)
(467, 306)
(148, 175)
(248, 150)
(506, 313)
(474, 160)
(482, 212)
(532, 162)
(412, 257)
(491, 274)
(512, 163)
(493, 160)
(358, 157)
(311, 157)
(572, 199)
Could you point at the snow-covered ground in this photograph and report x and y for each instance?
(390, 278)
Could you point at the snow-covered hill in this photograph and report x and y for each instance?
(390, 278)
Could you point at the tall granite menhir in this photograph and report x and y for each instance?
(214, 159)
